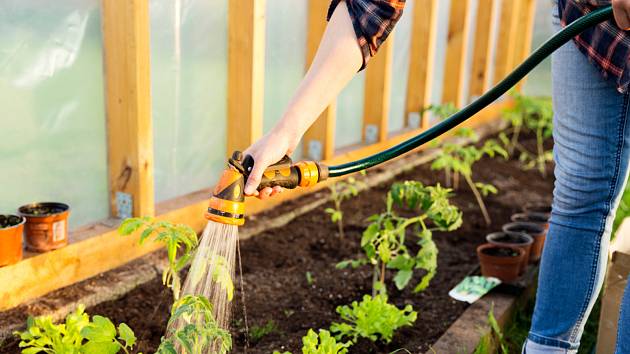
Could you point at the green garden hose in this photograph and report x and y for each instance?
(473, 108)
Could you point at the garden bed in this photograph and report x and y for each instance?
(276, 261)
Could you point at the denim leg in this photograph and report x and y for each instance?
(591, 152)
(623, 329)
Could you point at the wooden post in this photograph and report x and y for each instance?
(246, 69)
(482, 59)
(319, 140)
(377, 93)
(127, 78)
(456, 53)
(508, 32)
(526, 25)
(421, 59)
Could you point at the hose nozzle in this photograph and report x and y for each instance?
(227, 204)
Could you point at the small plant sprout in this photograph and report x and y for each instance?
(309, 278)
(340, 191)
(372, 318)
(258, 332)
(174, 237)
(76, 336)
(461, 159)
(384, 240)
(192, 329)
(322, 343)
(534, 114)
(494, 339)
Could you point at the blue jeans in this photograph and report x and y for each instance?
(591, 150)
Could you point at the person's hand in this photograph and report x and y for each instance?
(270, 149)
(621, 10)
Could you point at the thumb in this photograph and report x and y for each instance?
(254, 177)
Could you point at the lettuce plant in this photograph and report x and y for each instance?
(322, 343)
(340, 191)
(384, 240)
(372, 318)
(175, 237)
(77, 335)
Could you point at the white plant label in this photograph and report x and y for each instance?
(59, 231)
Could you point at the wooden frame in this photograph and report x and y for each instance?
(421, 59)
(482, 58)
(246, 72)
(506, 45)
(130, 134)
(319, 140)
(456, 53)
(97, 248)
(377, 97)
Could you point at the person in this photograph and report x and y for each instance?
(591, 149)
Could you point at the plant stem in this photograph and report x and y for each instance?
(515, 135)
(447, 177)
(382, 275)
(456, 180)
(374, 280)
(484, 211)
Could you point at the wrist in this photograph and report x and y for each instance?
(290, 129)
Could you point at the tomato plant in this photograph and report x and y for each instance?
(461, 159)
(533, 114)
(384, 240)
(192, 329)
(372, 318)
(78, 335)
(174, 237)
(340, 191)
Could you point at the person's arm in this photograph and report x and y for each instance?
(621, 10)
(337, 59)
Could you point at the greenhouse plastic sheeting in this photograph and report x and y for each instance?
(188, 84)
(285, 57)
(53, 145)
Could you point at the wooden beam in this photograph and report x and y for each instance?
(526, 33)
(421, 59)
(482, 57)
(246, 69)
(377, 97)
(99, 248)
(128, 104)
(319, 140)
(456, 53)
(507, 39)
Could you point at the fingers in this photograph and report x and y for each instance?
(269, 192)
(254, 177)
(621, 10)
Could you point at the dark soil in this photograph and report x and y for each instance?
(10, 220)
(276, 261)
(500, 252)
(511, 238)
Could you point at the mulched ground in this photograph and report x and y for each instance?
(276, 261)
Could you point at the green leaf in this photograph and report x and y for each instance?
(126, 335)
(402, 278)
(129, 226)
(98, 347)
(102, 330)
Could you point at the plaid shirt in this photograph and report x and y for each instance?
(373, 20)
(606, 45)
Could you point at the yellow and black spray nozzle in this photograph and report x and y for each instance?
(227, 205)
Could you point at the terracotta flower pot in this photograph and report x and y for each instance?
(532, 229)
(11, 230)
(46, 225)
(515, 240)
(542, 209)
(534, 217)
(500, 261)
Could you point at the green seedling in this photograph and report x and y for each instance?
(461, 159)
(220, 272)
(309, 278)
(175, 237)
(534, 114)
(77, 335)
(372, 318)
(340, 191)
(384, 240)
(494, 339)
(322, 343)
(192, 329)
(258, 332)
